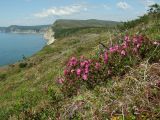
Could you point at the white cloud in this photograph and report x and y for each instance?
(123, 5)
(61, 11)
(148, 2)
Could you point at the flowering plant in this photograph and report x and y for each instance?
(111, 62)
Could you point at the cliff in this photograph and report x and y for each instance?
(49, 36)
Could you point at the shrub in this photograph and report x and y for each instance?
(23, 65)
(2, 76)
(111, 62)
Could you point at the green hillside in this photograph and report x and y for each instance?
(63, 24)
(65, 28)
(129, 89)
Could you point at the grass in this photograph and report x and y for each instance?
(31, 92)
(31, 83)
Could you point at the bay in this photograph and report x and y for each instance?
(14, 46)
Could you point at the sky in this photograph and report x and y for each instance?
(40, 12)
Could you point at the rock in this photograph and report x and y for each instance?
(49, 36)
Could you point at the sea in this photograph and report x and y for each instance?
(14, 47)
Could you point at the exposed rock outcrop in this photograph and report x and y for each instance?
(49, 36)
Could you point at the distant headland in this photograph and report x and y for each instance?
(40, 29)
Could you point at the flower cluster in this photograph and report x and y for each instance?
(111, 62)
(79, 68)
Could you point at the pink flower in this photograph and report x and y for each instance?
(85, 63)
(126, 38)
(114, 49)
(106, 57)
(78, 72)
(82, 64)
(135, 50)
(60, 80)
(140, 39)
(85, 77)
(86, 70)
(65, 72)
(72, 62)
(124, 45)
(111, 49)
(123, 53)
(97, 66)
(135, 40)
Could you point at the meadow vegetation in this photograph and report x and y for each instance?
(89, 73)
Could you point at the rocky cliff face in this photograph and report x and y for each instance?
(49, 36)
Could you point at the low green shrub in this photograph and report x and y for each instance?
(23, 65)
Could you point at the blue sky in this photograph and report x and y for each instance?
(36, 12)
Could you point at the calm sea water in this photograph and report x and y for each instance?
(14, 46)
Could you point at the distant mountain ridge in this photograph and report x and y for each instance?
(24, 29)
(66, 23)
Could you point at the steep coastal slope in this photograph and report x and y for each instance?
(29, 89)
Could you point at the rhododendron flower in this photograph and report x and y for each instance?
(73, 61)
(65, 72)
(60, 80)
(135, 50)
(86, 70)
(85, 77)
(124, 45)
(111, 49)
(78, 72)
(135, 40)
(123, 52)
(140, 39)
(82, 64)
(97, 66)
(106, 57)
(126, 38)
(114, 49)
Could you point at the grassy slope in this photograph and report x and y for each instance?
(30, 84)
(24, 91)
(65, 24)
